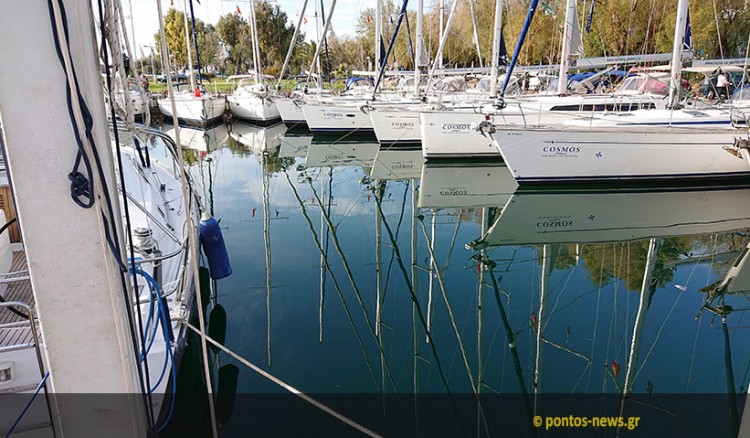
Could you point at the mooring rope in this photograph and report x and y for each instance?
(285, 385)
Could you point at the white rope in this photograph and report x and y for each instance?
(192, 244)
(285, 385)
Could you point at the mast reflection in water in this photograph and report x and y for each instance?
(435, 299)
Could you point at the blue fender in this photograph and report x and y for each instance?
(213, 246)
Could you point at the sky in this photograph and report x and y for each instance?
(146, 22)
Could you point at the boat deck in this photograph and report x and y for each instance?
(14, 331)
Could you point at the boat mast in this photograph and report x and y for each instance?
(476, 32)
(496, 47)
(570, 18)
(419, 43)
(443, 39)
(325, 30)
(256, 44)
(187, 45)
(548, 263)
(679, 34)
(439, 55)
(318, 23)
(78, 300)
(292, 43)
(378, 36)
(519, 44)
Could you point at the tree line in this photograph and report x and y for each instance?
(617, 27)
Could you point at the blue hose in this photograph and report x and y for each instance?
(163, 318)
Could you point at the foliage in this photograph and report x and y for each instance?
(174, 30)
(619, 27)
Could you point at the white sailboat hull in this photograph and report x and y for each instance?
(394, 126)
(452, 133)
(337, 118)
(638, 154)
(290, 111)
(191, 110)
(257, 109)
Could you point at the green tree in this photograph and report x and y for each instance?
(274, 36)
(174, 30)
(234, 32)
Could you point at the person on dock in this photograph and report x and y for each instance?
(722, 86)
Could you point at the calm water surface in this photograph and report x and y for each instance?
(363, 271)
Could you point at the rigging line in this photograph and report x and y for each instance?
(134, 66)
(79, 115)
(285, 385)
(568, 350)
(423, 321)
(718, 32)
(267, 244)
(128, 227)
(414, 276)
(186, 185)
(333, 279)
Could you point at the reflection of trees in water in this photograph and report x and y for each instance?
(272, 163)
(606, 262)
(191, 156)
(237, 148)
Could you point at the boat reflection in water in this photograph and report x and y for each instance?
(650, 243)
(452, 185)
(197, 139)
(448, 304)
(341, 153)
(397, 164)
(258, 139)
(295, 145)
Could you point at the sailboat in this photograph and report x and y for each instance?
(194, 107)
(633, 152)
(252, 100)
(190, 104)
(452, 133)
